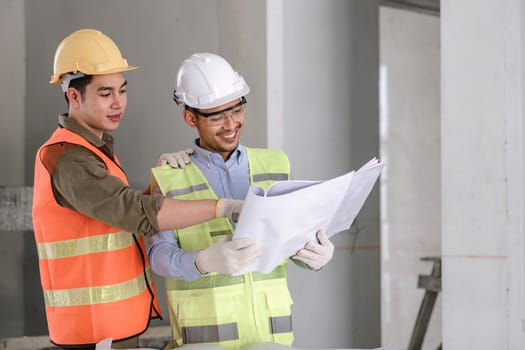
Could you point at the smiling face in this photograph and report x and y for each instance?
(222, 139)
(101, 107)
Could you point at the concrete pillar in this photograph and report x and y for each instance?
(323, 111)
(410, 182)
(12, 145)
(483, 174)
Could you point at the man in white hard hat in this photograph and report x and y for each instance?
(89, 224)
(206, 303)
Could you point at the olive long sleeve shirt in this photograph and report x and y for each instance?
(82, 183)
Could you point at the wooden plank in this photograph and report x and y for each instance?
(16, 204)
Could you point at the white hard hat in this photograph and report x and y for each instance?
(206, 80)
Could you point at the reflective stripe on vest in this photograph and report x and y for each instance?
(219, 280)
(281, 324)
(203, 187)
(97, 295)
(272, 163)
(84, 245)
(210, 334)
(229, 331)
(187, 190)
(270, 177)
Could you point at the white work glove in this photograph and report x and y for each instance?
(229, 208)
(177, 159)
(316, 254)
(228, 256)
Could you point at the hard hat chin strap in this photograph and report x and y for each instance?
(66, 79)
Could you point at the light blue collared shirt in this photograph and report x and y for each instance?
(228, 179)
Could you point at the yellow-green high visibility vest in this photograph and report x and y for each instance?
(228, 311)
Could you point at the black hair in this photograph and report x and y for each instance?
(79, 84)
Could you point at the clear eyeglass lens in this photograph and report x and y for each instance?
(220, 119)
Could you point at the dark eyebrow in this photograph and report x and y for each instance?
(105, 88)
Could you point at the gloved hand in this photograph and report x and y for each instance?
(316, 254)
(177, 159)
(229, 208)
(228, 256)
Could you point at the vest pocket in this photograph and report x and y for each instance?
(206, 318)
(280, 318)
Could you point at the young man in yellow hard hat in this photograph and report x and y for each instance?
(89, 224)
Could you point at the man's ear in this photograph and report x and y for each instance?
(189, 118)
(74, 97)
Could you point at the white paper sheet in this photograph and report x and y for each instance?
(289, 213)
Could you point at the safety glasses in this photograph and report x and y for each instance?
(218, 118)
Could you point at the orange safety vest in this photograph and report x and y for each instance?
(96, 278)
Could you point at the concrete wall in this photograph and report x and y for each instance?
(327, 120)
(12, 145)
(156, 38)
(483, 174)
(411, 181)
(12, 92)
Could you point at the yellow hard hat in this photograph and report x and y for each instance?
(90, 52)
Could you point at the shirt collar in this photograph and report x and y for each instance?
(72, 125)
(207, 157)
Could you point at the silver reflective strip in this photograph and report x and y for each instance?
(270, 176)
(85, 245)
(210, 334)
(97, 295)
(278, 272)
(206, 282)
(220, 280)
(220, 233)
(281, 324)
(187, 190)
